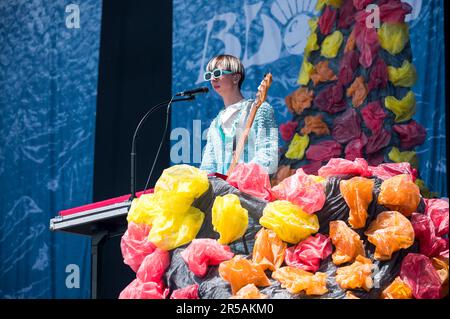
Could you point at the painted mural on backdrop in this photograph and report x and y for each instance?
(270, 36)
(48, 85)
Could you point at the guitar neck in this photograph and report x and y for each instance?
(241, 143)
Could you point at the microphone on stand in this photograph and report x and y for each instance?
(200, 90)
(189, 96)
(133, 143)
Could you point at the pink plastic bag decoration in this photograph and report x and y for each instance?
(135, 245)
(144, 290)
(418, 272)
(394, 11)
(444, 254)
(346, 14)
(361, 4)
(323, 151)
(388, 170)
(348, 66)
(300, 189)
(340, 166)
(366, 39)
(347, 126)
(411, 134)
(373, 116)
(287, 130)
(189, 292)
(438, 211)
(204, 252)
(331, 99)
(308, 254)
(377, 141)
(378, 75)
(154, 266)
(354, 149)
(252, 179)
(327, 20)
(430, 244)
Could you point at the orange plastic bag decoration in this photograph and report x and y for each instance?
(347, 242)
(299, 100)
(399, 193)
(357, 193)
(351, 42)
(390, 232)
(240, 272)
(398, 289)
(322, 73)
(441, 266)
(315, 124)
(358, 91)
(357, 275)
(295, 280)
(249, 291)
(269, 250)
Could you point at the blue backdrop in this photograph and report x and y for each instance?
(270, 36)
(48, 84)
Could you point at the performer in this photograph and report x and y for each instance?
(227, 74)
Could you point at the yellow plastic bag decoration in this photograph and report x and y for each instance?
(289, 221)
(313, 24)
(144, 209)
(393, 37)
(357, 275)
(305, 72)
(390, 232)
(322, 3)
(357, 193)
(249, 291)
(297, 147)
(229, 218)
(404, 76)
(179, 186)
(331, 45)
(311, 44)
(170, 230)
(400, 157)
(398, 289)
(399, 193)
(296, 280)
(403, 109)
(269, 250)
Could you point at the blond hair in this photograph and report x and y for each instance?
(227, 62)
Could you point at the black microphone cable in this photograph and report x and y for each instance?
(160, 144)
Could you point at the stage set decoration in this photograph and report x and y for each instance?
(345, 216)
(355, 97)
(351, 231)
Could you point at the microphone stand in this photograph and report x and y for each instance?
(133, 144)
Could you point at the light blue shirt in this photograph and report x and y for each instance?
(261, 146)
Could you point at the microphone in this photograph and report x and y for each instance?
(194, 91)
